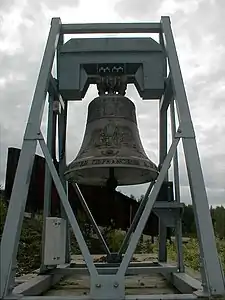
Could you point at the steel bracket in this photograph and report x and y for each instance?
(185, 132)
(169, 216)
(107, 287)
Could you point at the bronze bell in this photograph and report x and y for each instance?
(111, 152)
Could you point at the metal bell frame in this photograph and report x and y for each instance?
(106, 283)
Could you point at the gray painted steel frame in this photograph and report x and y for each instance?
(14, 219)
(212, 274)
(112, 285)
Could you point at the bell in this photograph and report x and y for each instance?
(111, 153)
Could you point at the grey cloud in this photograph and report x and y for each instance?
(137, 9)
(20, 71)
(55, 4)
(5, 5)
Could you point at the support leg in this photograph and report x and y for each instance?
(14, 219)
(72, 219)
(89, 214)
(162, 254)
(212, 274)
(136, 219)
(62, 122)
(147, 210)
(178, 228)
(48, 179)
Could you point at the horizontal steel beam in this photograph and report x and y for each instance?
(37, 285)
(183, 282)
(110, 28)
(168, 205)
(116, 265)
(110, 271)
(128, 297)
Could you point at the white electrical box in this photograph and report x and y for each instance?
(55, 241)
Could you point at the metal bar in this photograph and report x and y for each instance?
(91, 218)
(212, 274)
(116, 265)
(112, 270)
(165, 204)
(162, 297)
(183, 282)
(136, 218)
(165, 66)
(62, 124)
(14, 219)
(111, 28)
(127, 297)
(180, 258)
(48, 178)
(38, 284)
(147, 210)
(162, 250)
(72, 219)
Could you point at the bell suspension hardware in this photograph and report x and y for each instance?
(111, 155)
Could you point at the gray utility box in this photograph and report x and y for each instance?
(55, 241)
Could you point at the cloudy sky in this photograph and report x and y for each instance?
(198, 27)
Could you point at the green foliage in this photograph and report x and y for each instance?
(29, 252)
(218, 219)
(114, 239)
(218, 214)
(3, 211)
(191, 253)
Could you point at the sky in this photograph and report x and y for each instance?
(198, 27)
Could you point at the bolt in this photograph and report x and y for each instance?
(98, 285)
(179, 130)
(116, 284)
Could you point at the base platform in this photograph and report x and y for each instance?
(72, 281)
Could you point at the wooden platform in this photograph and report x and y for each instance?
(77, 285)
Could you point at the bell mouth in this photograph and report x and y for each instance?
(124, 174)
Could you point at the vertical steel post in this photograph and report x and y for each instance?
(180, 259)
(212, 273)
(62, 120)
(48, 179)
(162, 155)
(162, 251)
(62, 124)
(14, 219)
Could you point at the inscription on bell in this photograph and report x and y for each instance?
(107, 161)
